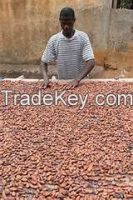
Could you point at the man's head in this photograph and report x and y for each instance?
(67, 20)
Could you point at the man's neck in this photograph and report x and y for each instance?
(69, 35)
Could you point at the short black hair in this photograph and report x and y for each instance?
(67, 13)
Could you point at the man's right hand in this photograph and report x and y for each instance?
(46, 84)
(44, 70)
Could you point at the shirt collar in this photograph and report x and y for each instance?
(69, 39)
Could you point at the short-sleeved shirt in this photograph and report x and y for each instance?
(69, 53)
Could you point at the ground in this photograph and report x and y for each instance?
(63, 152)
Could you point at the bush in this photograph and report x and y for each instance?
(126, 4)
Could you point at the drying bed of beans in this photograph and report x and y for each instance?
(64, 153)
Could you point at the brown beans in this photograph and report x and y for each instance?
(63, 152)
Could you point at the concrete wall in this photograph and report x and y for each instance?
(24, 29)
(26, 25)
(120, 43)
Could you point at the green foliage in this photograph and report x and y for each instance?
(125, 3)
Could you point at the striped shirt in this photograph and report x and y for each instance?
(69, 53)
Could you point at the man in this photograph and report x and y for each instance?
(71, 49)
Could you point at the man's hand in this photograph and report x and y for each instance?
(44, 70)
(46, 84)
(72, 84)
(89, 65)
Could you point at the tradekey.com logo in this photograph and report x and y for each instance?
(57, 97)
(48, 99)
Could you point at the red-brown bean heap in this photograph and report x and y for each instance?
(62, 152)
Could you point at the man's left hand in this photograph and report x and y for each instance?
(73, 84)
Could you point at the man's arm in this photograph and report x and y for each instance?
(44, 70)
(89, 65)
(49, 55)
(89, 60)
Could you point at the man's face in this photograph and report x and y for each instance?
(67, 26)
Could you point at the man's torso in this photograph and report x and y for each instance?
(68, 53)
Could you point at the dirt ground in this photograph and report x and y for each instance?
(62, 152)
